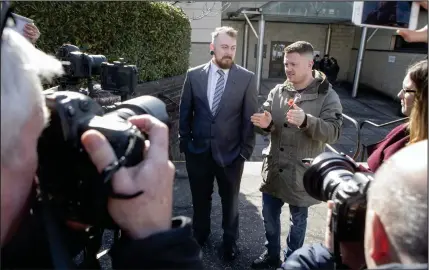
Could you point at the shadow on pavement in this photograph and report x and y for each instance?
(251, 240)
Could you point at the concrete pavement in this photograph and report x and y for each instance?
(368, 106)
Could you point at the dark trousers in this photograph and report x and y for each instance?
(271, 210)
(202, 170)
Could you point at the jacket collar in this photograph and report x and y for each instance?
(320, 85)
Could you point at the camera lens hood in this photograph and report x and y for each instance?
(324, 163)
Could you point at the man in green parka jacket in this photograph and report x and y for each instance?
(299, 130)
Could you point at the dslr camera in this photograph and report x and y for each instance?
(335, 177)
(118, 78)
(69, 181)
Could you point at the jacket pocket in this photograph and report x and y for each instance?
(299, 177)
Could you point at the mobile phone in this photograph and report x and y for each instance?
(386, 14)
(21, 21)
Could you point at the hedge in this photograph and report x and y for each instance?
(155, 36)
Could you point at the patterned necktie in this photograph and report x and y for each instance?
(218, 91)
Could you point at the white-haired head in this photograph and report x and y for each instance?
(22, 69)
(23, 117)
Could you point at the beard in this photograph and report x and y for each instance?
(225, 62)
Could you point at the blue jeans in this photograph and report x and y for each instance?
(271, 210)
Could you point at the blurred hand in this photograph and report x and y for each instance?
(352, 253)
(31, 32)
(261, 120)
(295, 116)
(329, 238)
(151, 212)
(420, 35)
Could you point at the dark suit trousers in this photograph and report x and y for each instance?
(202, 170)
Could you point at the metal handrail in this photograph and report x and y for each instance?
(331, 148)
(356, 124)
(377, 126)
(381, 125)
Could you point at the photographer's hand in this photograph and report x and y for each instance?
(329, 240)
(150, 212)
(420, 35)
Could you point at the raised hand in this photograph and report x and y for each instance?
(261, 120)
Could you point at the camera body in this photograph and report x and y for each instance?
(119, 78)
(80, 65)
(66, 174)
(335, 177)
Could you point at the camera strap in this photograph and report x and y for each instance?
(60, 256)
(112, 168)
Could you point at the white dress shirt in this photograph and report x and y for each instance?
(212, 81)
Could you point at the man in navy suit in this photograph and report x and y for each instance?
(216, 134)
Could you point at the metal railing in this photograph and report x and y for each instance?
(364, 147)
(357, 144)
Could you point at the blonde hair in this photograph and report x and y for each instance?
(224, 30)
(418, 124)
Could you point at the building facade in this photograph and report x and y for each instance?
(327, 25)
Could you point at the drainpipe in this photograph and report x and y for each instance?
(328, 39)
(359, 61)
(260, 53)
(245, 45)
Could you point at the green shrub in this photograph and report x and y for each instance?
(155, 36)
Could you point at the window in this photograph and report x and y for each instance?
(399, 44)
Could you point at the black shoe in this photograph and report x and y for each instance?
(266, 261)
(230, 252)
(201, 239)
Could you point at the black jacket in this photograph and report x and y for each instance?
(173, 249)
(317, 256)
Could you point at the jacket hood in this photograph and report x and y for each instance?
(319, 85)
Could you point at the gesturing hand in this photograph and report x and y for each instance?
(150, 212)
(261, 120)
(295, 116)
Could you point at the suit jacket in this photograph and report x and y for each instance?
(229, 133)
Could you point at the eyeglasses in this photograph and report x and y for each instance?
(404, 90)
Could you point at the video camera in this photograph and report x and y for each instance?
(335, 177)
(117, 77)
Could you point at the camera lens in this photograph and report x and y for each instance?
(96, 61)
(142, 105)
(325, 175)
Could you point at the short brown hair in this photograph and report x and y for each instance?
(418, 125)
(300, 47)
(224, 30)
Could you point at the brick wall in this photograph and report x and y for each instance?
(169, 91)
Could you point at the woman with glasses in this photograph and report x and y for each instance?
(414, 103)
